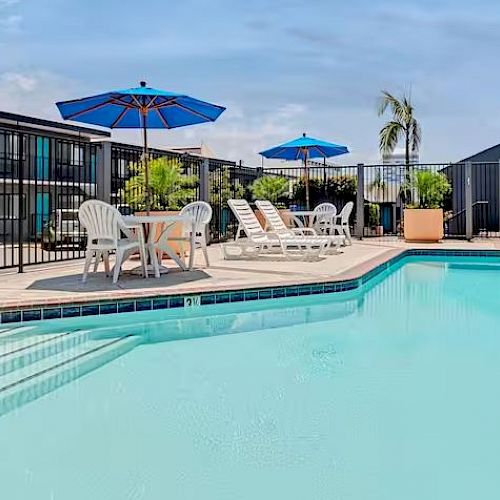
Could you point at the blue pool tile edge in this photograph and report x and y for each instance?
(104, 307)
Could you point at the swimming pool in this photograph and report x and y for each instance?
(385, 392)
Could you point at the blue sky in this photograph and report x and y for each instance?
(281, 67)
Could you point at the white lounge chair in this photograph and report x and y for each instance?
(201, 213)
(258, 241)
(341, 225)
(105, 227)
(275, 223)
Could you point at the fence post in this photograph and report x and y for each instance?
(205, 180)
(469, 228)
(360, 202)
(498, 194)
(104, 172)
(20, 207)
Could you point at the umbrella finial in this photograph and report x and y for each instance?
(303, 134)
(143, 83)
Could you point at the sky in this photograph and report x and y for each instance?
(281, 67)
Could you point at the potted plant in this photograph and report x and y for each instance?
(423, 219)
(169, 188)
(274, 189)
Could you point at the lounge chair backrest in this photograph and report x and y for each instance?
(102, 221)
(346, 212)
(274, 222)
(201, 212)
(246, 218)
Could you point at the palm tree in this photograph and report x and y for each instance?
(402, 125)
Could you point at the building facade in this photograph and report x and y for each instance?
(45, 166)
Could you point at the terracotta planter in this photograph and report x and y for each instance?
(176, 231)
(284, 213)
(423, 224)
(379, 230)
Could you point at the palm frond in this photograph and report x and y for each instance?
(387, 100)
(389, 136)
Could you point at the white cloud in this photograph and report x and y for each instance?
(34, 93)
(23, 82)
(239, 134)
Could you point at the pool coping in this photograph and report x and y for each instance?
(159, 298)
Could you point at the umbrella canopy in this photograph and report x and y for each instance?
(141, 107)
(136, 107)
(304, 148)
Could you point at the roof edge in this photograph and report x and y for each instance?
(18, 119)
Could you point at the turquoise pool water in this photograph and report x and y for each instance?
(385, 393)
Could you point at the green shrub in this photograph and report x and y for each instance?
(373, 215)
(270, 188)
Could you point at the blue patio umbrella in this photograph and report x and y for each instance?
(304, 148)
(141, 107)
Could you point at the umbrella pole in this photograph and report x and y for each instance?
(306, 175)
(146, 159)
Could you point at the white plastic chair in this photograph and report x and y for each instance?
(258, 241)
(275, 223)
(323, 218)
(341, 224)
(105, 226)
(201, 214)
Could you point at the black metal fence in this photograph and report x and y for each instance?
(45, 177)
(43, 181)
(387, 189)
(212, 179)
(227, 180)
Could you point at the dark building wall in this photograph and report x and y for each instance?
(485, 188)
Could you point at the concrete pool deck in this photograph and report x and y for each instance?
(60, 283)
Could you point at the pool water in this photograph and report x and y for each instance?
(385, 393)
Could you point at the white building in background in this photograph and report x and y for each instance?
(398, 157)
(201, 150)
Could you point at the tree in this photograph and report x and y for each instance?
(169, 188)
(270, 188)
(337, 189)
(403, 125)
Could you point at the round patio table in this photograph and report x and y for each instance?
(161, 244)
(305, 218)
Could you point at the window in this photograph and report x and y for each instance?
(70, 200)
(122, 168)
(9, 206)
(12, 146)
(77, 155)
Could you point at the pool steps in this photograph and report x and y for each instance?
(28, 350)
(32, 366)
